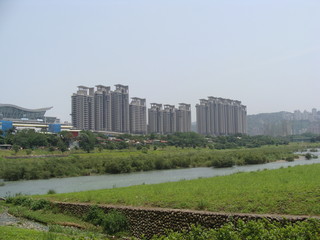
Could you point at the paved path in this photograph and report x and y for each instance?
(6, 219)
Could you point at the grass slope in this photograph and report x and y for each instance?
(293, 190)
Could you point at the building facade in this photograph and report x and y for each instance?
(183, 118)
(155, 118)
(106, 110)
(168, 119)
(138, 116)
(219, 116)
(120, 109)
(102, 108)
(82, 112)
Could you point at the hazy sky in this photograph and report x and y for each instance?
(264, 53)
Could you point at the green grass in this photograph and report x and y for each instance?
(15, 233)
(293, 190)
(49, 217)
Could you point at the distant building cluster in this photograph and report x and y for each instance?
(101, 109)
(284, 123)
(219, 116)
(312, 116)
(168, 119)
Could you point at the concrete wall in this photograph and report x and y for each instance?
(151, 221)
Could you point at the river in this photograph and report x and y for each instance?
(84, 183)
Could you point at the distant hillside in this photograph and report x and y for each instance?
(284, 123)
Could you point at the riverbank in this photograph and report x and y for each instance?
(107, 181)
(128, 161)
(293, 190)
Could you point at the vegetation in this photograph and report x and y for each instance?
(293, 190)
(96, 153)
(262, 229)
(113, 222)
(29, 139)
(132, 160)
(13, 233)
(41, 210)
(54, 233)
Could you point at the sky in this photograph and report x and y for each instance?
(265, 53)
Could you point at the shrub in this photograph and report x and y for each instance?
(223, 162)
(40, 204)
(51, 191)
(115, 222)
(95, 215)
(290, 158)
(28, 151)
(308, 156)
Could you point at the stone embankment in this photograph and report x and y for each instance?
(151, 221)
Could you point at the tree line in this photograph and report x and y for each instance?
(88, 141)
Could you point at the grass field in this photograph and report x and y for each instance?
(293, 190)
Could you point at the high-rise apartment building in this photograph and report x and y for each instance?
(138, 116)
(82, 111)
(169, 119)
(120, 109)
(102, 108)
(219, 116)
(183, 118)
(155, 118)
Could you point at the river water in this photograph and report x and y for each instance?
(84, 183)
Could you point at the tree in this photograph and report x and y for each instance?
(87, 141)
(15, 148)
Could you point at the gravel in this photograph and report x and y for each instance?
(7, 219)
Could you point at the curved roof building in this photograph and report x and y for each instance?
(10, 111)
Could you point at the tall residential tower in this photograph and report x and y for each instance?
(82, 112)
(219, 116)
(138, 116)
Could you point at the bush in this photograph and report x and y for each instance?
(112, 223)
(290, 158)
(40, 204)
(308, 156)
(28, 151)
(223, 162)
(51, 191)
(115, 222)
(95, 215)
